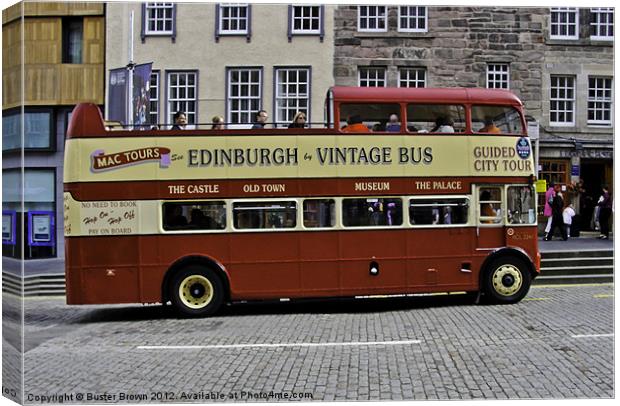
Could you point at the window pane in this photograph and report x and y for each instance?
(194, 216)
(490, 205)
(438, 211)
(319, 213)
(521, 200)
(261, 215)
(372, 212)
(440, 118)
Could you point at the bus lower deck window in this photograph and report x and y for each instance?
(372, 212)
(319, 213)
(194, 216)
(264, 215)
(438, 211)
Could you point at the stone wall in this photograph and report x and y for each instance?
(455, 51)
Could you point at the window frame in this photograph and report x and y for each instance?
(466, 198)
(146, 32)
(302, 221)
(502, 206)
(368, 69)
(154, 101)
(408, 70)
(595, 100)
(22, 121)
(320, 31)
(377, 18)
(295, 227)
(66, 40)
(572, 101)
(188, 114)
(567, 11)
(161, 214)
(220, 19)
(252, 112)
(403, 217)
(596, 25)
(277, 97)
(415, 18)
(493, 73)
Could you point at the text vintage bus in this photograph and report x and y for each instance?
(203, 217)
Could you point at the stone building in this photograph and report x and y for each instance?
(227, 59)
(558, 61)
(52, 58)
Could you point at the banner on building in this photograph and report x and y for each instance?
(117, 95)
(140, 95)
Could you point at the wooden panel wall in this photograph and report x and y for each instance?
(47, 80)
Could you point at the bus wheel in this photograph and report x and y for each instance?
(197, 291)
(507, 280)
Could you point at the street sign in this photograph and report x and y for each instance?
(541, 186)
(533, 130)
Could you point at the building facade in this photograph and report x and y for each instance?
(559, 61)
(227, 60)
(53, 58)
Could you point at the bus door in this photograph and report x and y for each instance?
(490, 209)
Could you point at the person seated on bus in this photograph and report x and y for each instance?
(174, 217)
(217, 123)
(355, 124)
(486, 208)
(489, 127)
(393, 126)
(299, 121)
(443, 125)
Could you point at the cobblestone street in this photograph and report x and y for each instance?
(557, 343)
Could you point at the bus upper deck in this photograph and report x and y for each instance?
(381, 111)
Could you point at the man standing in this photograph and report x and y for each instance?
(605, 213)
(261, 119)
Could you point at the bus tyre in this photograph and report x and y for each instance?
(196, 291)
(506, 280)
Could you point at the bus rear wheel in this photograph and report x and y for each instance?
(196, 291)
(506, 280)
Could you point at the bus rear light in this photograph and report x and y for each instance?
(110, 272)
(374, 268)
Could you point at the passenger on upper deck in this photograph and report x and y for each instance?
(489, 127)
(355, 124)
(299, 121)
(180, 120)
(218, 123)
(443, 125)
(261, 119)
(393, 126)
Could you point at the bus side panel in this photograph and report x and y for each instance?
(264, 265)
(358, 249)
(436, 258)
(102, 270)
(319, 264)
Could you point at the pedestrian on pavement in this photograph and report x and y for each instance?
(568, 214)
(261, 119)
(604, 213)
(557, 205)
(549, 195)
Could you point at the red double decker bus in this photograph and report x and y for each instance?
(402, 191)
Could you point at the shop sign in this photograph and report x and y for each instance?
(41, 228)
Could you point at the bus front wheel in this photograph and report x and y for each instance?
(506, 280)
(196, 291)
